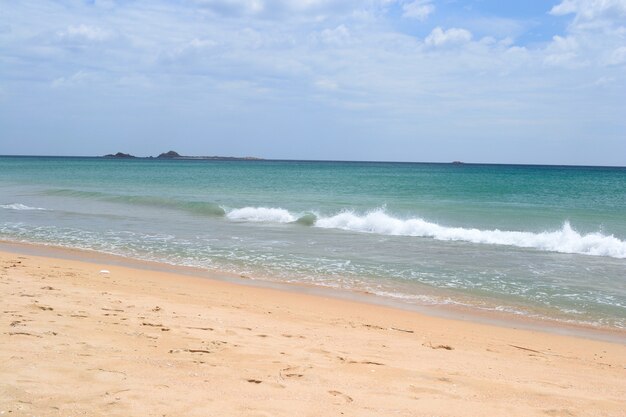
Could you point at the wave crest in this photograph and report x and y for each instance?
(19, 206)
(565, 240)
(261, 214)
(204, 208)
(307, 219)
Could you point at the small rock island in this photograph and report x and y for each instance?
(176, 155)
(169, 155)
(120, 155)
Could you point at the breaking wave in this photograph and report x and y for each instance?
(261, 214)
(564, 240)
(18, 206)
(270, 215)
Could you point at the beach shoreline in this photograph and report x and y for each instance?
(462, 312)
(488, 248)
(85, 336)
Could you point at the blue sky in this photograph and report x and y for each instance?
(405, 80)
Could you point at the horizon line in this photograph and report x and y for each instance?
(261, 159)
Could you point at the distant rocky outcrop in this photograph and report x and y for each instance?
(176, 155)
(169, 155)
(121, 155)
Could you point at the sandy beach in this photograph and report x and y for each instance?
(78, 341)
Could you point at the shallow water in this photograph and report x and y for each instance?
(531, 240)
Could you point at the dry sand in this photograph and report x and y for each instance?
(133, 342)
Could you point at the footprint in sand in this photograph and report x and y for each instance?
(292, 372)
(340, 394)
(289, 336)
(430, 345)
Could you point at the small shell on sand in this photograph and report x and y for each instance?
(105, 271)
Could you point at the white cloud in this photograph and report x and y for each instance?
(566, 7)
(562, 51)
(85, 32)
(618, 56)
(276, 8)
(564, 44)
(604, 81)
(452, 36)
(134, 81)
(202, 43)
(78, 78)
(337, 36)
(590, 9)
(326, 84)
(594, 37)
(564, 59)
(105, 4)
(418, 9)
(187, 50)
(234, 7)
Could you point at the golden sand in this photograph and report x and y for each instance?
(133, 342)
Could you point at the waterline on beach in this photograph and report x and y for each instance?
(512, 239)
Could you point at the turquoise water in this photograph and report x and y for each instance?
(530, 240)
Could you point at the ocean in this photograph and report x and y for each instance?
(546, 242)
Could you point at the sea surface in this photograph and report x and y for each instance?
(546, 242)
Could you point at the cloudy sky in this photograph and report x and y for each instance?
(407, 80)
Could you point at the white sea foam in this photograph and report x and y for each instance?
(261, 214)
(18, 206)
(565, 240)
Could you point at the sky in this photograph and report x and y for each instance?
(390, 80)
